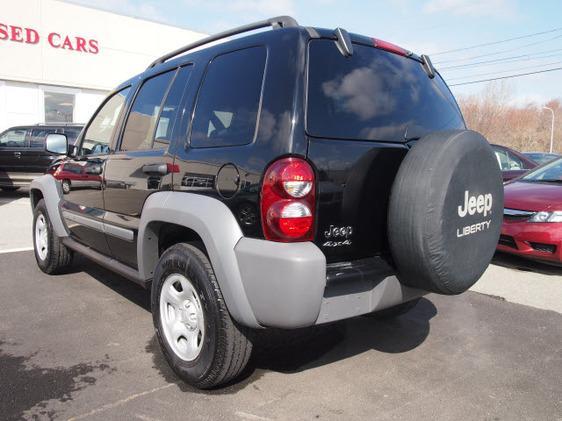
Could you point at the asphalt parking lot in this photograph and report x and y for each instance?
(81, 346)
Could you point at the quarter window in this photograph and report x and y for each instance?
(228, 102)
(99, 133)
(141, 123)
(14, 138)
(170, 108)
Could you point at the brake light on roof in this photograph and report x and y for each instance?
(288, 201)
(390, 47)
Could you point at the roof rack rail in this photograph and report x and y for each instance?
(276, 22)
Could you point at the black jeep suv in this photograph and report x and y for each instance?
(23, 155)
(284, 179)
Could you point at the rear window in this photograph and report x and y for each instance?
(374, 95)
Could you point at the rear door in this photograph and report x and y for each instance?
(142, 164)
(361, 113)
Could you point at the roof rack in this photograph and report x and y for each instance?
(275, 23)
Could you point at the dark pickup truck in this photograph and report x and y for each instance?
(23, 156)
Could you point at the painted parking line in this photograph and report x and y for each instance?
(16, 250)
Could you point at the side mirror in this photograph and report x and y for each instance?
(56, 143)
(72, 150)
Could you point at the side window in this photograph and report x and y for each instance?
(14, 138)
(141, 122)
(38, 137)
(72, 134)
(170, 108)
(99, 133)
(515, 163)
(228, 101)
(503, 159)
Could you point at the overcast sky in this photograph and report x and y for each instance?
(428, 26)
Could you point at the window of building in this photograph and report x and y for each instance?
(228, 101)
(141, 122)
(97, 139)
(59, 108)
(14, 138)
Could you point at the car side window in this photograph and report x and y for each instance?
(169, 112)
(38, 136)
(14, 138)
(141, 122)
(228, 102)
(515, 163)
(98, 135)
(503, 159)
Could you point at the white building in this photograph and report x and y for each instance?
(58, 60)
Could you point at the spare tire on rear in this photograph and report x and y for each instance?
(445, 212)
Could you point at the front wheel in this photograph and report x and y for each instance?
(51, 255)
(199, 339)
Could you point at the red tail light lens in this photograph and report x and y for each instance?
(288, 201)
(390, 47)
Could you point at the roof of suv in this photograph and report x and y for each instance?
(343, 38)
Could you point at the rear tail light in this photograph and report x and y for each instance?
(388, 46)
(288, 201)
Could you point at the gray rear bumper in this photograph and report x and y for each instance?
(289, 285)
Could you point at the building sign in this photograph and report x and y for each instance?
(14, 33)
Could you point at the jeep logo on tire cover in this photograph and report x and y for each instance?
(481, 204)
(475, 204)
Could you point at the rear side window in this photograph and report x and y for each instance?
(141, 122)
(14, 138)
(170, 109)
(38, 136)
(374, 95)
(229, 99)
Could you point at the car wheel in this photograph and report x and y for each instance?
(9, 188)
(391, 312)
(51, 255)
(66, 186)
(199, 339)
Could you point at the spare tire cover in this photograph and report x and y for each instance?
(445, 212)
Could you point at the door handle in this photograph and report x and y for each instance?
(156, 169)
(17, 154)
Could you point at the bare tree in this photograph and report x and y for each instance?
(525, 128)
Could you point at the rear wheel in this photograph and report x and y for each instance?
(200, 341)
(66, 186)
(9, 188)
(51, 255)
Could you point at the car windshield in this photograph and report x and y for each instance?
(551, 172)
(374, 95)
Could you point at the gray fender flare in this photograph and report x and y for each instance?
(52, 195)
(213, 221)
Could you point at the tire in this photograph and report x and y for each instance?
(66, 186)
(51, 255)
(9, 188)
(392, 312)
(445, 212)
(222, 348)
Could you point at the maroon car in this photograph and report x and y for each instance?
(532, 224)
(512, 163)
(74, 175)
